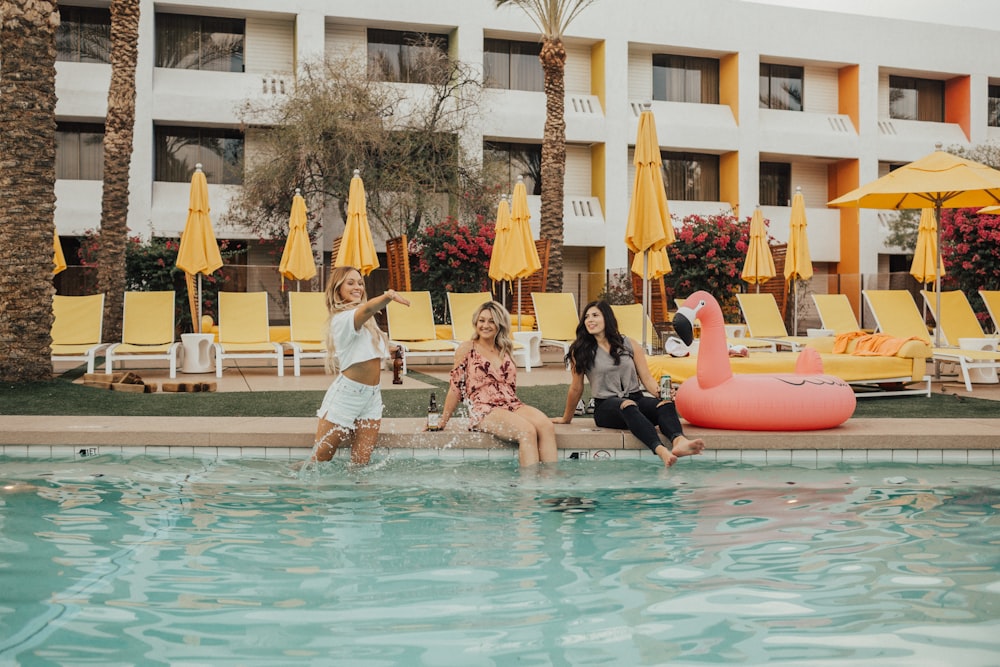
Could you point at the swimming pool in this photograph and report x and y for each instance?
(193, 561)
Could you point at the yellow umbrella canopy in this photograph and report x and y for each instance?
(297, 261)
(649, 226)
(649, 229)
(926, 251)
(199, 251)
(522, 244)
(357, 248)
(938, 180)
(798, 262)
(759, 265)
(58, 259)
(499, 271)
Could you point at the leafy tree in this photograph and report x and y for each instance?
(708, 255)
(970, 250)
(27, 186)
(338, 119)
(552, 18)
(452, 256)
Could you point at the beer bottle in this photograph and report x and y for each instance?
(433, 414)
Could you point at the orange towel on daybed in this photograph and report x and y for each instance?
(870, 345)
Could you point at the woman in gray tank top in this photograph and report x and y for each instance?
(616, 368)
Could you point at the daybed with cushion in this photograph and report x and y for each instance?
(907, 366)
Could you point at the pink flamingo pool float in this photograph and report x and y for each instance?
(805, 400)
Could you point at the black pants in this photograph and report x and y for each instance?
(641, 419)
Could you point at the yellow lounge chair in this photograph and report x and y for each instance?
(630, 319)
(461, 306)
(412, 328)
(764, 322)
(244, 332)
(76, 330)
(836, 313)
(308, 321)
(897, 314)
(557, 318)
(147, 330)
(958, 320)
(992, 300)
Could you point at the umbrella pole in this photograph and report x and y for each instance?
(199, 303)
(795, 307)
(518, 304)
(645, 294)
(937, 278)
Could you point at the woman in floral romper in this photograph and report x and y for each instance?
(485, 374)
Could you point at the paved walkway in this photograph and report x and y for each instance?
(976, 440)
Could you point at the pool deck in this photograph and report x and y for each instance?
(912, 440)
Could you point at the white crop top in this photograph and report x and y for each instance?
(351, 345)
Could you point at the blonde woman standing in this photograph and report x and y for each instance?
(485, 374)
(352, 406)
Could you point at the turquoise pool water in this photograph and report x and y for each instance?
(154, 561)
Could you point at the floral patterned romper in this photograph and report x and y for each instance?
(486, 386)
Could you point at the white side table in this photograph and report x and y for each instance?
(980, 375)
(533, 341)
(197, 353)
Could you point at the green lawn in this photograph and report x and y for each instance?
(62, 397)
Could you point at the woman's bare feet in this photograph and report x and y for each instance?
(665, 455)
(683, 446)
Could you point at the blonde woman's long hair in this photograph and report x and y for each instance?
(501, 318)
(334, 305)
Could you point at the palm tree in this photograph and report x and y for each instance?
(27, 187)
(552, 18)
(118, 131)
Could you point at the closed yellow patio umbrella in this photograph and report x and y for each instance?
(499, 270)
(522, 244)
(199, 251)
(58, 258)
(357, 248)
(297, 261)
(759, 265)
(798, 262)
(926, 251)
(649, 229)
(938, 180)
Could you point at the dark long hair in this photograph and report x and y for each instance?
(584, 348)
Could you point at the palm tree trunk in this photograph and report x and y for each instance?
(118, 132)
(27, 187)
(553, 57)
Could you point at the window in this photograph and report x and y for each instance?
(84, 35)
(911, 98)
(179, 149)
(685, 79)
(80, 151)
(404, 56)
(512, 65)
(199, 42)
(993, 110)
(781, 87)
(775, 184)
(691, 176)
(510, 160)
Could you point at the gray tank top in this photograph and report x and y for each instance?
(607, 380)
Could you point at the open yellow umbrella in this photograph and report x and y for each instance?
(938, 180)
(199, 251)
(297, 261)
(58, 258)
(759, 265)
(649, 230)
(798, 262)
(357, 248)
